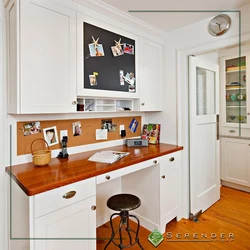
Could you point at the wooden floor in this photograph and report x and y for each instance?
(230, 215)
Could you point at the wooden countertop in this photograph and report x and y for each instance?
(60, 172)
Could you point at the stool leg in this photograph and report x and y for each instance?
(128, 230)
(112, 228)
(137, 231)
(120, 232)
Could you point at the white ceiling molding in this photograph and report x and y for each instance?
(119, 15)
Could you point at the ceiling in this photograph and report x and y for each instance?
(167, 21)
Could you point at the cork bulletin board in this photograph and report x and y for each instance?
(88, 135)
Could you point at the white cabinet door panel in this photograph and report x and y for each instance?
(235, 161)
(150, 76)
(75, 225)
(47, 57)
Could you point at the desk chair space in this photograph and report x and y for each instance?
(124, 203)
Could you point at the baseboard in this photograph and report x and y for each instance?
(149, 225)
(235, 186)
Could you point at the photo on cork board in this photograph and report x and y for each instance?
(50, 135)
(107, 124)
(77, 128)
(31, 128)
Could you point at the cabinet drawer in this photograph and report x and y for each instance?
(58, 198)
(172, 159)
(230, 131)
(127, 170)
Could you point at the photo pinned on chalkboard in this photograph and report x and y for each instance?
(117, 51)
(128, 49)
(92, 80)
(130, 78)
(96, 50)
(121, 77)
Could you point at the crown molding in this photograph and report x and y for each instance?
(120, 16)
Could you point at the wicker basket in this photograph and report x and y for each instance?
(41, 157)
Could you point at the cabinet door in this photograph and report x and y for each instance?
(235, 161)
(75, 224)
(150, 76)
(169, 188)
(47, 57)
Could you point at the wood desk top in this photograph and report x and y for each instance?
(60, 172)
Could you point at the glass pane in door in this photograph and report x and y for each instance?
(205, 92)
(236, 99)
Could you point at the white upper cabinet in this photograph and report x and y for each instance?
(46, 59)
(151, 59)
(235, 91)
(42, 57)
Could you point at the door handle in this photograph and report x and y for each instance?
(217, 127)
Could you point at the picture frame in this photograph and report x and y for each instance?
(50, 135)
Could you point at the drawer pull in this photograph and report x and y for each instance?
(69, 194)
(232, 131)
(171, 159)
(163, 176)
(107, 177)
(155, 161)
(143, 104)
(93, 207)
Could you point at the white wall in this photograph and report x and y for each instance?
(3, 207)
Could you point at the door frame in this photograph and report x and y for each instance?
(183, 106)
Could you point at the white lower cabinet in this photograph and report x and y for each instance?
(60, 219)
(169, 188)
(74, 224)
(235, 161)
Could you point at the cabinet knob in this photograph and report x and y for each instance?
(74, 102)
(93, 207)
(143, 103)
(232, 131)
(248, 113)
(155, 161)
(171, 159)
(69, 194)
(163, 176)
(107, 177)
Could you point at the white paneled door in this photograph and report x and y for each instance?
(204, 143)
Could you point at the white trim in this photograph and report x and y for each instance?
(115, 13)
(183, 107)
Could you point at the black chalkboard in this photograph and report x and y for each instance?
(108, 67)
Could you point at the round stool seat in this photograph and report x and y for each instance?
(123, 202)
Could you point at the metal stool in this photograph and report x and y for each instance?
(124, 203)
